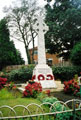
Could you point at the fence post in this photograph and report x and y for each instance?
(74, 112)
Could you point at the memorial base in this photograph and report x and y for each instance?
(43, 73)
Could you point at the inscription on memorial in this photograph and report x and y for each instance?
(43, 71)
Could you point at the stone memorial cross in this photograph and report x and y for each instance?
(41, 28)
(42, 72)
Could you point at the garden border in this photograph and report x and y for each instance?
(73, 110)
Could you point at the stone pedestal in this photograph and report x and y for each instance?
(43, 73)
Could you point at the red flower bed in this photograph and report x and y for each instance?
(2, 82)
(71, 87)
(31, 90)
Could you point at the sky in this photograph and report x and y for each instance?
(18, 45)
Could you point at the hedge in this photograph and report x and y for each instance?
(66, 73)
(21, 75)
(63, 73)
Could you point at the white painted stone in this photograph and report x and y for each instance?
(41, 68)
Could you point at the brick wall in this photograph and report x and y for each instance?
(13, 67)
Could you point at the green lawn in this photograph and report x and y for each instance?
(15, 98)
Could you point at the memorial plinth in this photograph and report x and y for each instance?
(42, 72)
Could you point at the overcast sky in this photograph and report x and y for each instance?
(7, 3)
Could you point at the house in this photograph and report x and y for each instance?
(50, 58)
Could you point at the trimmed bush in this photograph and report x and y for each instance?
(24, 74)
(65, 73)
(21, 75)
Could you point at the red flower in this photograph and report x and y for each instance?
(72, 89)
(32, 89)
(48, 92)
(2, 82)
(25, 93)
(67, 86)
(75, 83)
(76, 91)
(65, 89)
(65, 83)
(70, 82)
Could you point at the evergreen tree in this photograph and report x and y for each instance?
(64, 21)
(8, 52)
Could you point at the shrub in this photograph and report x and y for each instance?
(76, 54)
(2, 82)
(57, 107)
(50, 100)
(21, 75)
(71, 87)
(11, 86)
(32, 89)
(65, 73)
(24, 74)
(41, 96)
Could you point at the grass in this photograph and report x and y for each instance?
(15, 98)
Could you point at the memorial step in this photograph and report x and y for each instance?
(60, 87)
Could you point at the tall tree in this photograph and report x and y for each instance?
(64, 21)
(21, 20)
(8, 54)
(76, 54)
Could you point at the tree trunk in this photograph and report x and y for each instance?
(27, 54)
(33, 49)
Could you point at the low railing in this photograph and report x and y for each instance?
(70, 110)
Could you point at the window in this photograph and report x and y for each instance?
(49, 61)
(35, 52)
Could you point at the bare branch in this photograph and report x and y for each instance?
(16, 38)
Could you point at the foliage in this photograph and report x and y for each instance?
(3, 74)
(22, 16)
(63, 19)
(71, 87)
(48, 92)
(20, 60)
(2, 82)
(41, 96)
(11, 86)
(57, 107)
(76, 54)
(8, 52)
(50, 100)
(21, 75)
(32, 89)
(65, 73)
